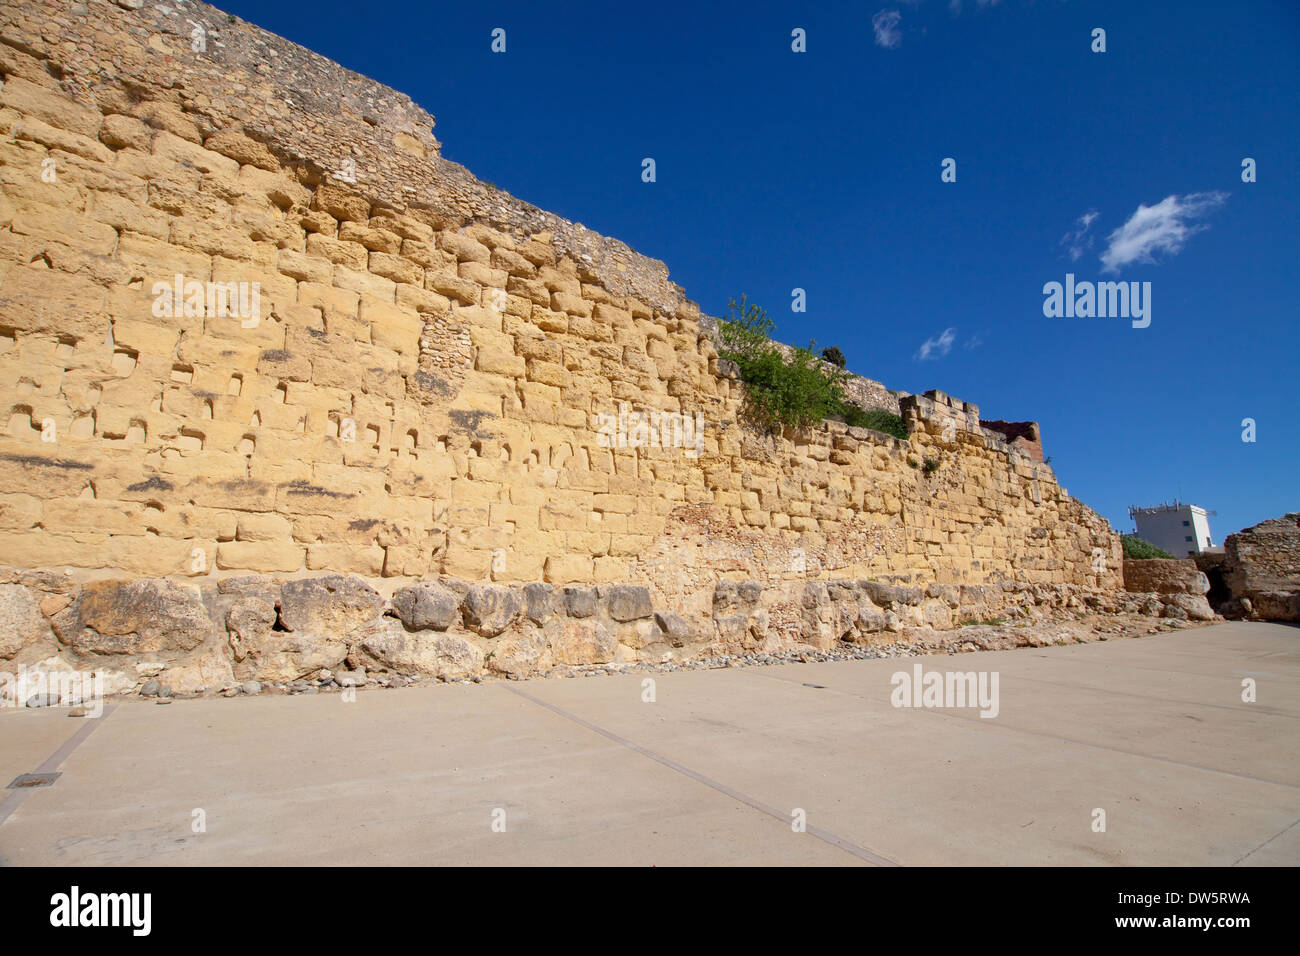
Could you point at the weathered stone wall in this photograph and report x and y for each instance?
(1025, 437)
(423, 388)
(1260, 570)
(1265, 557)
(151, 635)
(1176, 583)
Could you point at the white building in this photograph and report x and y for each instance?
(1182, 530)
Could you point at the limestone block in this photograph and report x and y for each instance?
(497, 362)
(50, 107)
(22, 625)
(426, 606)
(453, 287)
(374, 240)
(61, 225)
(464, 248)
(567, 569)
(585, 641)
(445, 656)
(239, 148)
(350, 254)
(521, 655)
(143, 616)
(340, 203)
(346, 558)
(170, 148)
(483, 275)
(396, 268)
(626, 602)
(259, 556)
(490, 609)
(579, 601)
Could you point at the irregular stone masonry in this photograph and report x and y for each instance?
(1259, 570)
(1025, 437)
(1179, 583)
(282, 630)
(420, 392)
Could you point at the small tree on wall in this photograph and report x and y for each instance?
(793, 387)
(834, 356)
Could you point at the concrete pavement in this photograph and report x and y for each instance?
(1152, 731)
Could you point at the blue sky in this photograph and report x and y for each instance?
(821, 170)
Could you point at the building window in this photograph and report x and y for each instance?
(1189, 537)
(1186, 523)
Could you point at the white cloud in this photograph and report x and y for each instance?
(1164, 228)
(885, 23)
(937, 346)
(1078, 241)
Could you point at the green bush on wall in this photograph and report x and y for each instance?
(835, 357)
(1137, 549)
(876, 419)
(793, 390)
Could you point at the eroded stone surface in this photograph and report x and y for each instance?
(426, 607)
(21, 622)
(329, 604)
(134, 617)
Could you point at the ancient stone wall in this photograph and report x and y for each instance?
(1177, 585)
(252, 322)
(1025, 437)
(1259, 570)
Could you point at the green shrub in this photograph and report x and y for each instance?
(877, 419)
(1137, 549)
(793, 390)
(931, 466)
(746, 331)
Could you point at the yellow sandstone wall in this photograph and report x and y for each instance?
(465, 342)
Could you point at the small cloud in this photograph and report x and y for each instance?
(1162, 228)
(974, 342)
(885, 23)
(1078, 241)
(937, 346)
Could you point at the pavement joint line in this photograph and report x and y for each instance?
(1008, 728)
(16, 797)
(824, 835)
(1266, 842)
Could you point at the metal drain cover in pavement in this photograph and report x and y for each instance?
(26, 780)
